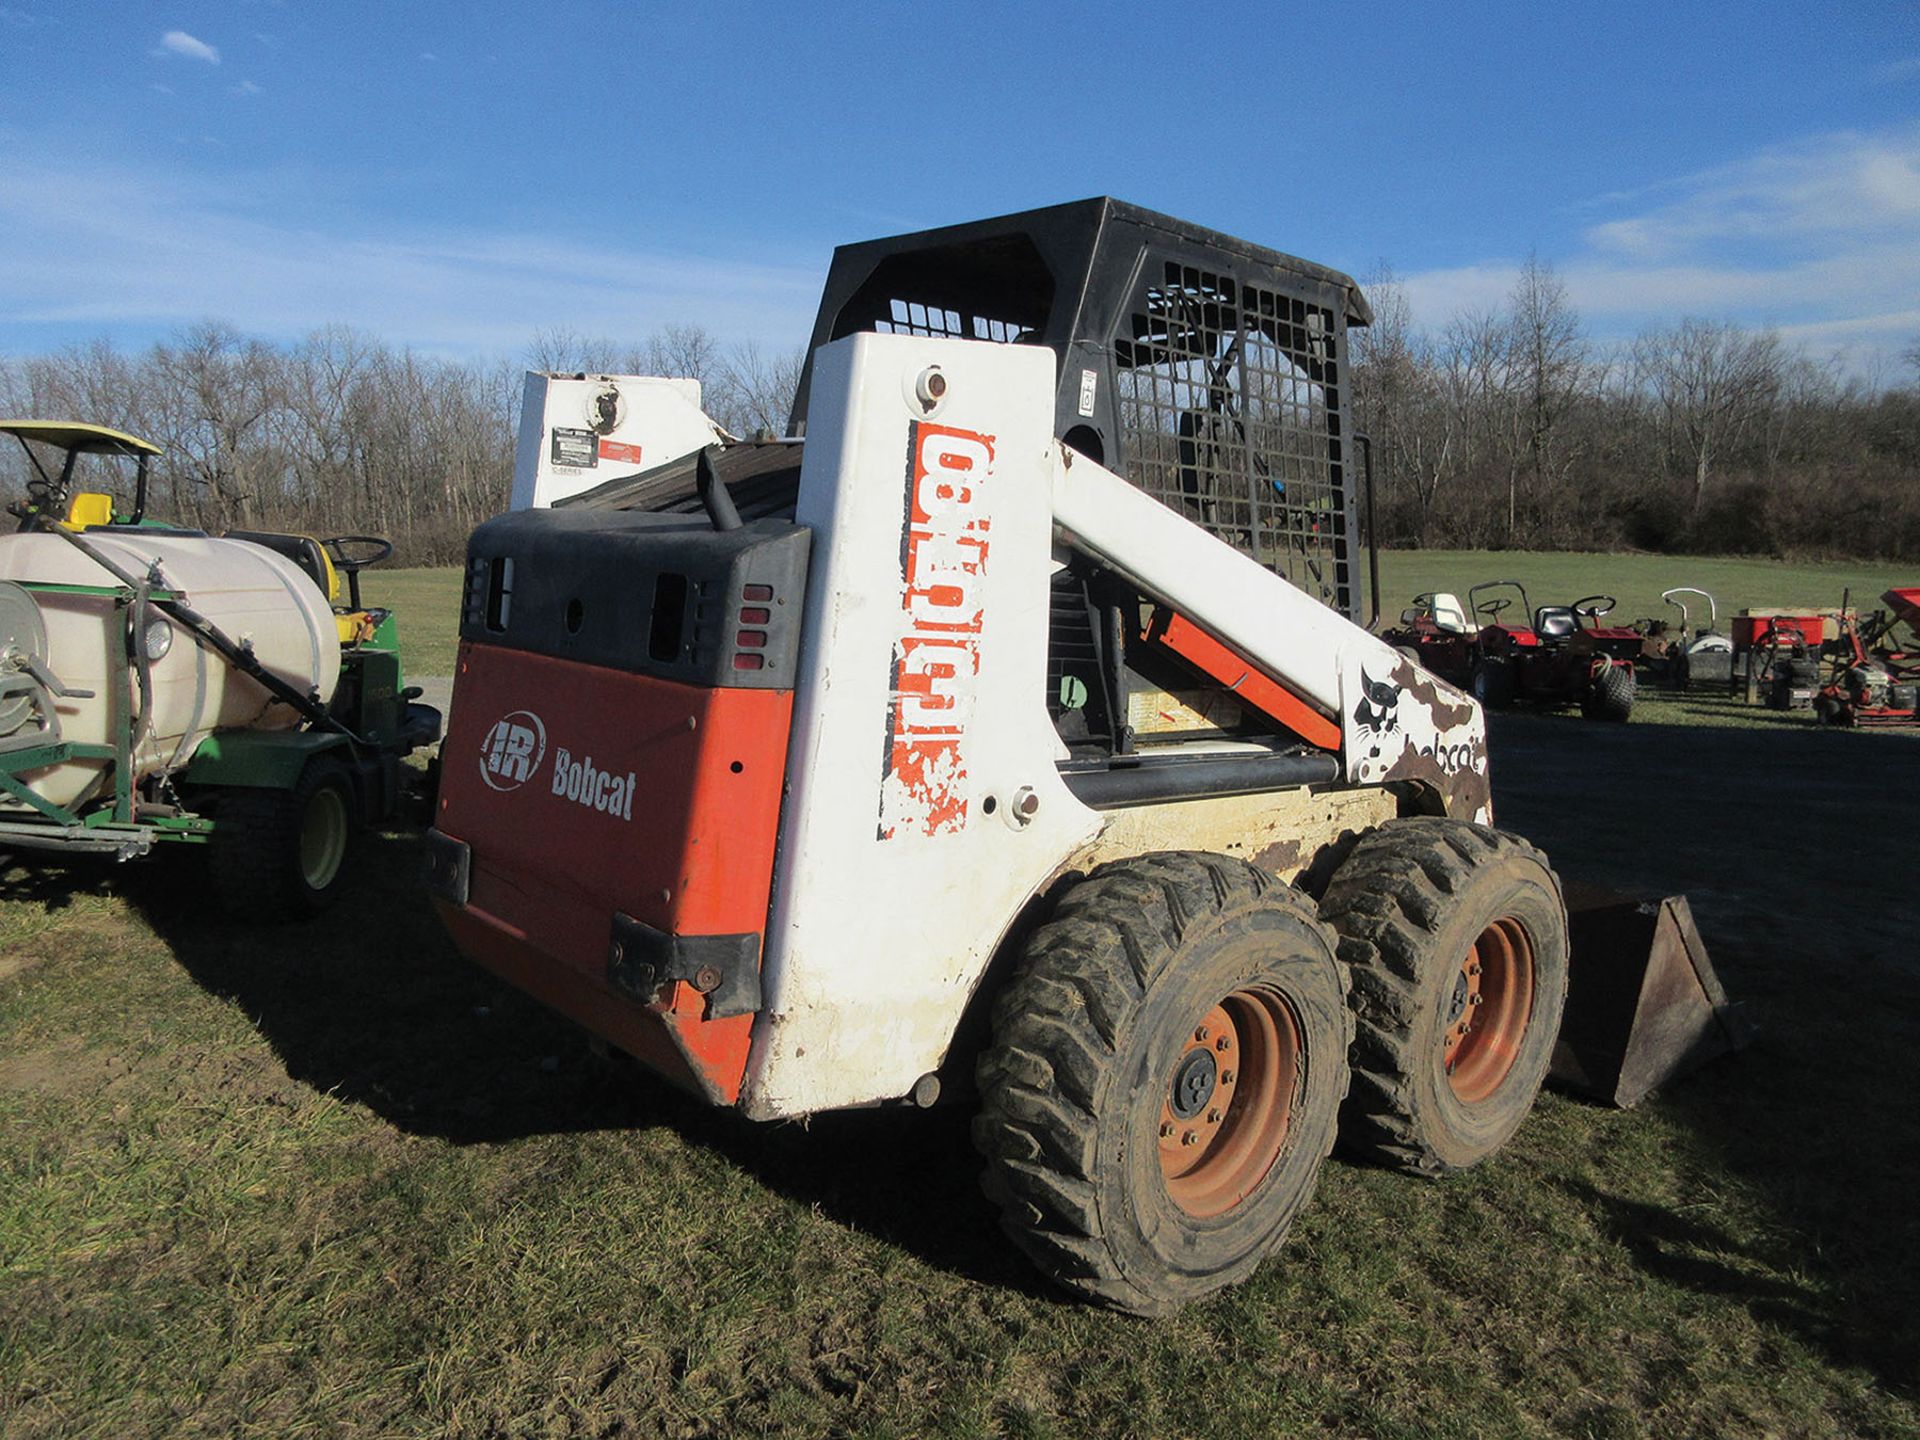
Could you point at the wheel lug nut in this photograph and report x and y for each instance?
(1166, 1130)
(1479, 999)
(1226, 1077)
(1473, 969)
(1221, 1043)
(1213, 1117)
(1201, 1034)
(1189, 1138)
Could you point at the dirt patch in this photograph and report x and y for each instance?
(61, 1070)
(17, 962)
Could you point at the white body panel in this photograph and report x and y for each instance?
(253, 594)
(579, 431)
(903, 857)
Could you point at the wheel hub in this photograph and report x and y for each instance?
(1193, 1083)
(1225, 1110)
(1488, 1011)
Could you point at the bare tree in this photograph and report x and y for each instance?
(754, 393)
(1712, 380)
(1547, 363)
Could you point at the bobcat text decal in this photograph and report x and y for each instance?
(936, 657)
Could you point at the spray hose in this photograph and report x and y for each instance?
(207, 633)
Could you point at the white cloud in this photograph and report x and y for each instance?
(1820, 238)
(247, 87)
(178, 42)
(99, 249)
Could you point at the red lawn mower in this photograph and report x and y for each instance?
(1876, 675)
(1564, 657)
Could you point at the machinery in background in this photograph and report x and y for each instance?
(1679, 655)
(1555, 655)
(1776, 656)
(1874, 667)
(161, 685)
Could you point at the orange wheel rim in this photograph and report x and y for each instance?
(1487, 1012)
(1227, 1105)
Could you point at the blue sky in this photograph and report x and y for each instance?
(459, 176)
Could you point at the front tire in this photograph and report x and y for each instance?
(1610, 695)
(1456, 936)
(1163, 1081)
(1493, 682)
(282, 854)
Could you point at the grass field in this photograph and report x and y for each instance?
(428, 601)
(330, 1179)
(1637, 580)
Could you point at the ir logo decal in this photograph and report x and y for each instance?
(513, 750)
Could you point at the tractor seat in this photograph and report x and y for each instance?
(1554, 622)
(1448, 613)
(302, 550)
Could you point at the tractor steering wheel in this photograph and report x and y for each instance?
(1592, 607)
(1491, 608)
(375, 549)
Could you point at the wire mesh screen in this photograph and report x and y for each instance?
(910, 317)
(1229, 411)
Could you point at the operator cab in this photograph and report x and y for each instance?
(51, 495)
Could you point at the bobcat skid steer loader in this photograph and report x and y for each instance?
(1010, 738)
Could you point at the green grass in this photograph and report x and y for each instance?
(427, 605)
(331, 1179)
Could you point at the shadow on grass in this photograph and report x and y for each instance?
(373, 1004)
(1791, 844)
(1767, 1278)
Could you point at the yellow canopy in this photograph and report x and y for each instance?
(76, 435)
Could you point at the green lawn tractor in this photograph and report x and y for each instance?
(160, 684)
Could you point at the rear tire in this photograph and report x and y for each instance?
(1610, 695)
(1164, 1077)
(1493, 682)
(282, 854)
(1447, 925)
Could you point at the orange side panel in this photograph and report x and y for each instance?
(1243, 678)
(626, 794)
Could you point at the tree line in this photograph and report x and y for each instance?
(1513, 428)
(1508, 428)
(343, 432)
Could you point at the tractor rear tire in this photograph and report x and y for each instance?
(1164, 1079)
(1456, 937)
(1610, 695)
(282, 854)
(1493, 682)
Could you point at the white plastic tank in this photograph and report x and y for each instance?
(254, 595)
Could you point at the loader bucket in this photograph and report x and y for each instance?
(1643, 1003)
